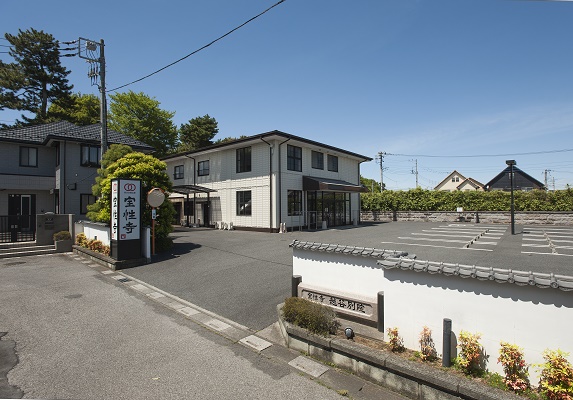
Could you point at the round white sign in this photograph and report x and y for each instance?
(155, 197)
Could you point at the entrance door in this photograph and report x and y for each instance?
(205, 208)
(22, 216)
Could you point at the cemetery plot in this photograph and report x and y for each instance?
(456, 236)
(549, 240)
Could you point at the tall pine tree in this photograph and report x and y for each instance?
(35, 78)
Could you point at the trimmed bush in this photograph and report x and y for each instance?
(315, 317)
(556, 382)
(62, 235)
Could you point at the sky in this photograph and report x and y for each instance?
(437, 85)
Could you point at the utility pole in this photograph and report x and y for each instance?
(415, 171)
(381, 155)
(94, 52)
(546, 181)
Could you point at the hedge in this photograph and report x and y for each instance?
(434, 200)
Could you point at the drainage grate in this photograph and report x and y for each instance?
(124, 280)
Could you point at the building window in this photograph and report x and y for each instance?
(178, 172)
(332, 163)
(244, 202)
(317, 160)
(91, 155)
(294, 158)
(203, 168)
(294, 202)
(456, 179)
(244, 159)
(85, 200)
(28, 157)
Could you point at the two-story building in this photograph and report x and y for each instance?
(264, 180)
(50, 168)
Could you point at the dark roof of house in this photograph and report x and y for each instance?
(262, 136)
(516, 171)
(63, 130)
(472, 182)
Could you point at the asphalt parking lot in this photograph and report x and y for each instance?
(244, 275)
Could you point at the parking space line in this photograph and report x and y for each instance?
(442, 247)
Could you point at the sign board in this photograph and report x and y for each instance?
(125, 209)
(342, 303)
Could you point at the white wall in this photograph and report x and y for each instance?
(533, 318)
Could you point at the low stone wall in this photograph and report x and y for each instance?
(409, 378)
(486, 217)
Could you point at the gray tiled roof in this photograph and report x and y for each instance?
(499, 275)
(64, 130)
(350, 250)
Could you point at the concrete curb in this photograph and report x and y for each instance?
(412, 379)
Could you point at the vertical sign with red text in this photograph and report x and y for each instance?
(125, 209)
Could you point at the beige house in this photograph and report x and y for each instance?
(456, 181)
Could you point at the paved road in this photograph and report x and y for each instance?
(244, 275)
(80, 332)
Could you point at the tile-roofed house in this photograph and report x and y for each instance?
(52, 167)
(521, 181)
(456, 181)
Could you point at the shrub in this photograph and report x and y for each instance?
(556, 381)
(315, 317)
(514, 367)
(81, 240)
(469, 360)
(395, 340)
(427, 348)
(62, 235)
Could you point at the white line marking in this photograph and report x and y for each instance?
(550, 254)
(441, 247)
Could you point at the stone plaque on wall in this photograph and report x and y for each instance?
(342, 303)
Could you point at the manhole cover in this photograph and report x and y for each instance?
(124, 280)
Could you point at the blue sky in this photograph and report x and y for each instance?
(489, 80)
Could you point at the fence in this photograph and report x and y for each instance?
(17, 228)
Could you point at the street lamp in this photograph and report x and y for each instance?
(511, 163)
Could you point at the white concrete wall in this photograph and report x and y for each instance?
(533, 318)
(93, 230)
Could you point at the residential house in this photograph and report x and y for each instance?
(264, 180)
(51, 168)
(456, 181)
(521, 181)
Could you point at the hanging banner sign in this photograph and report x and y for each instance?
(125, 209)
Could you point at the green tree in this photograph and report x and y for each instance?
(139, 116)
(197, 133)
(229, 139)
(79, 109)
(152, 174)
(370, 184)
(36, 78)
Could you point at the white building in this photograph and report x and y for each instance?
(264, 180)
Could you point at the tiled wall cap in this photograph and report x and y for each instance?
(500, 275)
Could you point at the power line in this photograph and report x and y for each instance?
(198, 50)
(483, 155)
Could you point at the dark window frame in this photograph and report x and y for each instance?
(201, 170)
(83, 205)
(294, 201)
(89, 162)
(244, 157)
(243, 202)
(332, 163)
(178, 172)
(294, 158)
(317, 159)
(25, 161)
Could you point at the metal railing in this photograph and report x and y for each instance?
(17, 228)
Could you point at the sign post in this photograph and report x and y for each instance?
(125, 219)
(155, 197)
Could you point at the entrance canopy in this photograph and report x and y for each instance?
(189, 189)
(330, 185)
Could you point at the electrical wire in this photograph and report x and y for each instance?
(482, 155)
(198, 50)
